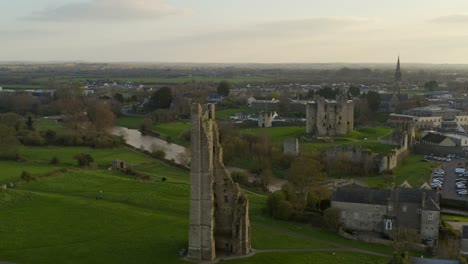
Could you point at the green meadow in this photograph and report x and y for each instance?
(129, 122)
(411, 169)
(57, 219)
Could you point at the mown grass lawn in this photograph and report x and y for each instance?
(365, 137)
(57, 219)
(277, 134)
(368, 133)
(129, 122)
(46, 124)
(173, 131)
(11, 170)
(102, 157)
(411, 169)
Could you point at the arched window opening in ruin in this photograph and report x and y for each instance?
(388, 224)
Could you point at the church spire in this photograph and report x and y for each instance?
(397, 83)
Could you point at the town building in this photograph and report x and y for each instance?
(389, 102)
(382, 211)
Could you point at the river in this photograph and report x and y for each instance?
(134, 138)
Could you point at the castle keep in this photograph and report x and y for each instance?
(330, 117)
(219, 209)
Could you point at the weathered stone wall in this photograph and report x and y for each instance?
(219, 218)
(265, 119)
(361, 217)
(201, 234)
(330, 118)
(370, 161)
(291, 146)
(430, 226)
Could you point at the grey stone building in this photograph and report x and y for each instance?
(219, 209)
(384, 210)
(330, 117)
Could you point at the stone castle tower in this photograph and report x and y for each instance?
(330, 117)
(397, 83)
(219, 209)
(265, 119)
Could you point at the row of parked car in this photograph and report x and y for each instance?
(460, 182)
(460, 185)
(449, 157)
(437, 178)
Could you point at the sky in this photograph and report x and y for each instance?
(235, 31)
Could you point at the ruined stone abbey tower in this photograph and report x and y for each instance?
(219, 209)
(330, 117)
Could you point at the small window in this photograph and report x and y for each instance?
(390, 208)
(404, 208)
(430, 216)
(418, 211)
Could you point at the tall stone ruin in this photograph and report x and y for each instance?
(219, 209)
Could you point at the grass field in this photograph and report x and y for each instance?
(173, 130)
(413, 170)
(368, 133)
(410, 169)
(277, 134)
(129, 122)
(365, 137)
(57, 219)
(45, 124)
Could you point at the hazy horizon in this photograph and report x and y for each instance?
(255, 31)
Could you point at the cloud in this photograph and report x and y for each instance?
(104, 10)
(280, 41)
(31, 33)
(451, 19)
(279, 31)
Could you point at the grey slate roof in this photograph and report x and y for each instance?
(398, 195)
(403, 97)
(413, 195)
(386, 97)
(360, 195)
(434, 138)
